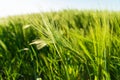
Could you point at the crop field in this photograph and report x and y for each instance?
(63, 45)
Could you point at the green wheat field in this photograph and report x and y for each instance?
(63, 45)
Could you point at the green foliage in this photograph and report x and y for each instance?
(64, 45)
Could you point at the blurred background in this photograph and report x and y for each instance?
(15, 7)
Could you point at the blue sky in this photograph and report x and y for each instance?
(14, 7)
